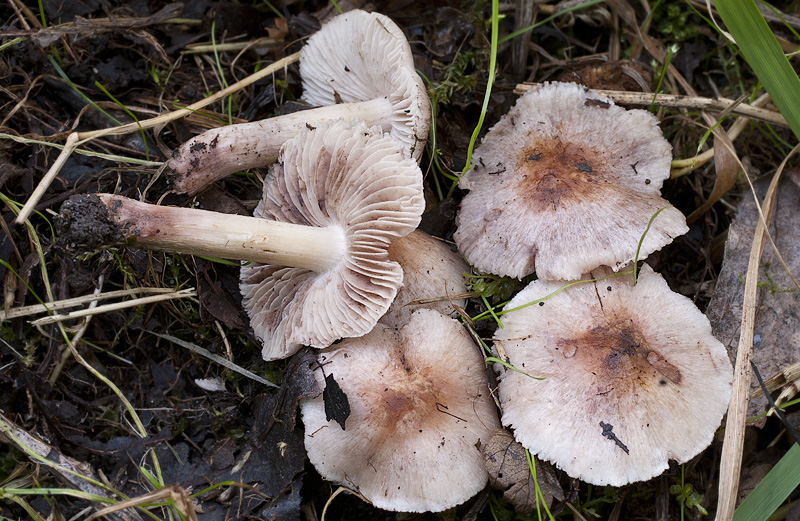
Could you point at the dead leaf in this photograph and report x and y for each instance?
(216, 297)
(508, 469)
(337, 406)
(776, 335)
(726, 167)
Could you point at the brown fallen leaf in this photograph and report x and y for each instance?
(777, 322)
(508, 469)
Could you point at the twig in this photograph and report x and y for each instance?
(733, 443)
(61, 304)
(113, 307)
(681, 101)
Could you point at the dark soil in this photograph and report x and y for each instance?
(247, 433)
(83, 221)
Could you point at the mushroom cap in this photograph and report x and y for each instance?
(359, 56)
(419, 409)
(430, 270)
(640, 359)
(566, 182)
(355, 181)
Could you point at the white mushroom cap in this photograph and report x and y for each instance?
(360, 56)
(420, 408)
(640, 359)
(431, 270)
(566, 182)
(354, 181)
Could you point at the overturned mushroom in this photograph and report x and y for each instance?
(566, 182)
(358, 66)
(632, 376)
(419, 411)
(342, 192)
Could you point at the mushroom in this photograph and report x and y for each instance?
(341, 192)
(433, 277)
(419, 411)
(566, 182)
(632, 376)
(358, 66)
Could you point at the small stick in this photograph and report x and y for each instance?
(24, 311)
(44, 184)
(105, 308)
(76, 138)
(681, 101)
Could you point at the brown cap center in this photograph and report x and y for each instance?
(555, 172)
(619, 358)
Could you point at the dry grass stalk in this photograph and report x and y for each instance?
(116, 306)
(35, 309)
(645, 99)
(77, 138)
(177, 494)
(682, 167)
(215, 358)
(79, 475)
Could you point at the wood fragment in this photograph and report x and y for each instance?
(645, 99)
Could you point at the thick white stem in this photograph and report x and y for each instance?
(219, 152)
(213, 234)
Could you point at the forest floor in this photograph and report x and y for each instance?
(151, 400)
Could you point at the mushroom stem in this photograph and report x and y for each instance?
(200, 232)
(219, 152)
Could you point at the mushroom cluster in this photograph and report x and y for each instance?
(333, 249)
(567, 185)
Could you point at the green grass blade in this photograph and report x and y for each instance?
(63, 75)
(773, 489)
(129, 113)
(549, 19)
(13, 42)
(763, 53)
(489, 81)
